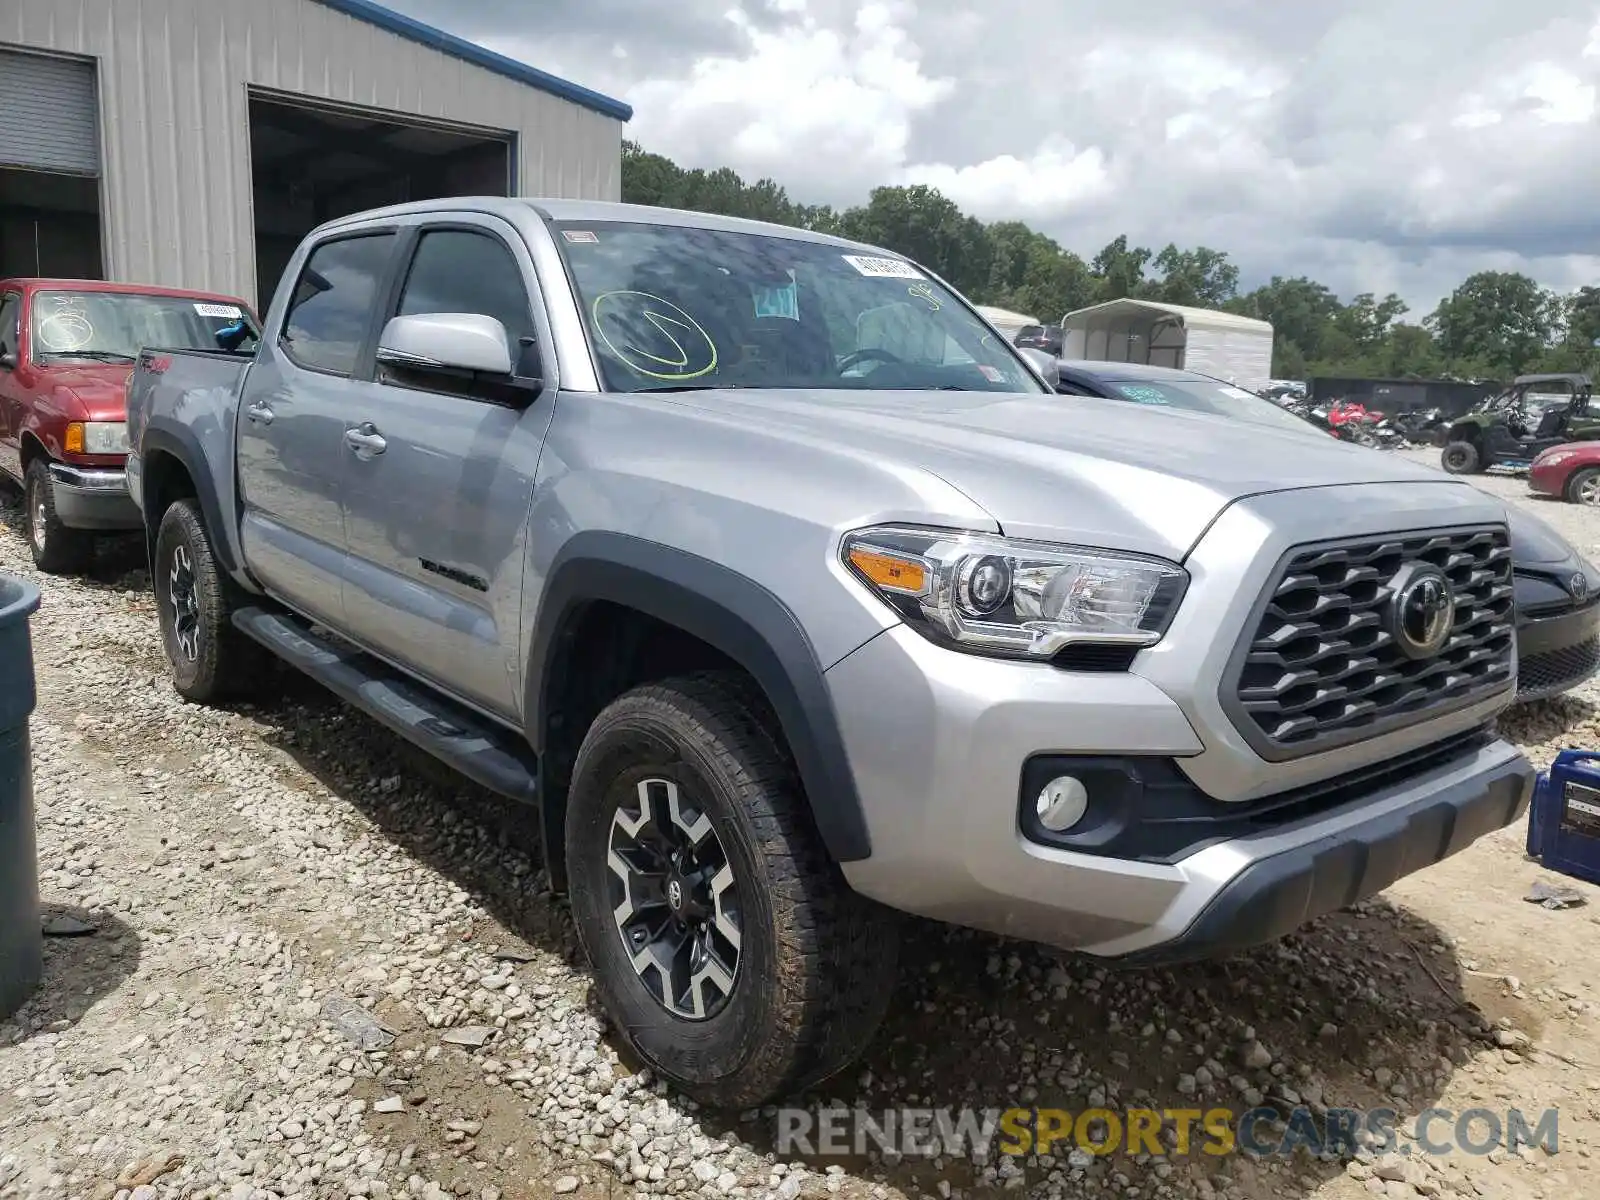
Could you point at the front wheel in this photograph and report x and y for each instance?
(1460, 458)
(1584, 486)
(211, 660)
(726, 947)
(57, 549)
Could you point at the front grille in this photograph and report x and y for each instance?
(1320, 667)
(1555, 671)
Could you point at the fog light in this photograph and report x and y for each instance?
(1062, 803)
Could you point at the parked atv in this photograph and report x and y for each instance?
(1535, 413)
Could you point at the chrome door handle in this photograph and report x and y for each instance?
(259, 413)
(365, 439)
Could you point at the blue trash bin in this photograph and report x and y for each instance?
(21, 944)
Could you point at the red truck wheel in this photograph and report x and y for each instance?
(57, 549)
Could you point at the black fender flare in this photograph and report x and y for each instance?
(171, 437)
(735, 615)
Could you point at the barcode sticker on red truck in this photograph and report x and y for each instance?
(230, 311)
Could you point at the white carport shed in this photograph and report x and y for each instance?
(1220, 344)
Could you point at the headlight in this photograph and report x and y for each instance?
(1022, 599)
(97, 437)
(1549, 459)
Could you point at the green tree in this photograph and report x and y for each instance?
(1121, 269)
(1301, 312)
(1502, 320)
(1366, 320)
(924, 224)
(1200, 278)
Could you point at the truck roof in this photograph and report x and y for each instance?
(599, 210)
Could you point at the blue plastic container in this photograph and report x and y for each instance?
(1564, 819)
(21, 943)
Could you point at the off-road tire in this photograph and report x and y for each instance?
(1576, 485)
(1460, 458)
(816, 961)
(57, 549)
(220, 663)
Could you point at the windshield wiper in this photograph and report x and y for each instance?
(682, 387)
(93, 355)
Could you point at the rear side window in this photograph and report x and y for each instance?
(458, 271)
(333, 301)
(10, 322)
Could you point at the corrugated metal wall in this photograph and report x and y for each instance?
(175, 137)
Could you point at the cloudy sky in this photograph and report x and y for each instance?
(1375, 145)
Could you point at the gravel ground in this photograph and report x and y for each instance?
(313, 963)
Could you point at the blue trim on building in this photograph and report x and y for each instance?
(448, 43)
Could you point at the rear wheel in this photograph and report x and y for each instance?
(1460, 458)
(211, 660)
(727, 949)
(1584, 486)
(57, 549)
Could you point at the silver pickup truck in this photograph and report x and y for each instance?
(793, 596)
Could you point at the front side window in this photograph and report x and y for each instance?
(457, 271)
(113, 327)
(333, 301)
(670, 307)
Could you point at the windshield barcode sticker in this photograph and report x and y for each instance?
(231, 312)
(882, 268)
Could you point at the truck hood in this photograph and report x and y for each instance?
(1071, 469)
(101, 388)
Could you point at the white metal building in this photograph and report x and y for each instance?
(1219, 344)
(193, 142)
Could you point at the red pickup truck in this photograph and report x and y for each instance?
(67, 350)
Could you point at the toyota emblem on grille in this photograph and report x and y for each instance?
(1423, 610)
(1578, 585)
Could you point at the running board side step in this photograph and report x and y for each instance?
(469, 743)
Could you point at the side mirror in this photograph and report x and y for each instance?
(1043, 364)
(8, 358)
(446, 342)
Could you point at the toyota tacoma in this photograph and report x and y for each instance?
(793, 598)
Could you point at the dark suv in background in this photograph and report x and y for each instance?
(1040, 337)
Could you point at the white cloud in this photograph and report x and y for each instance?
(1052, 181)
(841, 100)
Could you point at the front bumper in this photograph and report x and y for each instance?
(93, 498)
(1548, 480)
(939, 767)
(1557, 653)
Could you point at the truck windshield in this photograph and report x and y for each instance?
(1200, 394)
(674, 308)
(115, 326)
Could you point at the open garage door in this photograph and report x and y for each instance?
(310, 164)
(49, 166)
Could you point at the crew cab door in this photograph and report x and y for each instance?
(311, 376)
(440, 472)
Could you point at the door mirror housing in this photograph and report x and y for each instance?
(447, 342)
(8, 358)
(1043, 364)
